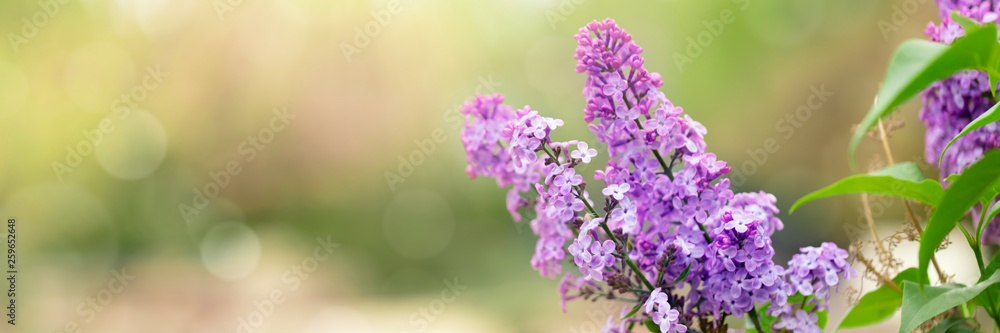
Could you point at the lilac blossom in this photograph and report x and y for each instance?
(624, 217)
(482, 136)
(817, 269)
(658, 307)
(812, 274)
(740, 266)
(672, 234)
(616, 191)
(584, 152)
(952, 103)
(800, 321)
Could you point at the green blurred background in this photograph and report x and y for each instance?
(357, 105)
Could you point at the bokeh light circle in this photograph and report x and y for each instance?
(230, 250)
(134, 148)
(418, 224)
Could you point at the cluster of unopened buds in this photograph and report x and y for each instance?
(669, 233)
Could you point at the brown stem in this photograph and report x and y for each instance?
(916, 224)
(913, 218)
(871, 223)
(885, 280)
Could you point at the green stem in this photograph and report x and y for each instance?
(666, 169)
(604, 224)
(991, 307)
(756, 319)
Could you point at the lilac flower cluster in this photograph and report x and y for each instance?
(951, 104)
(671, 232)
(812, 274)
(739, 266)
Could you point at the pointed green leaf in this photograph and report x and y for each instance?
(921, 303)
(990, 214)
(879, 304)
(633, 311)
(651, 326)
(986, 118)
(766, 321)
(902, 180)
(988, 195)
(967, 24)
(960, 196)
(918, 63)
(952, 325)
(991, 211)
(684, 274)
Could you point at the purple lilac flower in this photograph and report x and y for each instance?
(621, 326)
(592, 256)
(584, 152)
(952, 103)
(800, 321)
(569, 283)
(624, 217)
(740, 269)
(616, 190)
(812, 273)
(762, 206)
(817, 269)
(668, 207)
(527, 134)
(482, 136)
(658, 307)
(590, 225)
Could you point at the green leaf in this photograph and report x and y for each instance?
(990, 193)
(988, 296)
(633, 311)
(987, 196)
(918, 63)
(879, 304)
(952, 325)
(960, 196)
(902, 180)
(987, 117)
(683, 275)
(651, 326)
(990, 214)
(766, 320)
(992, 267)
(966, 23)
(921, 303)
